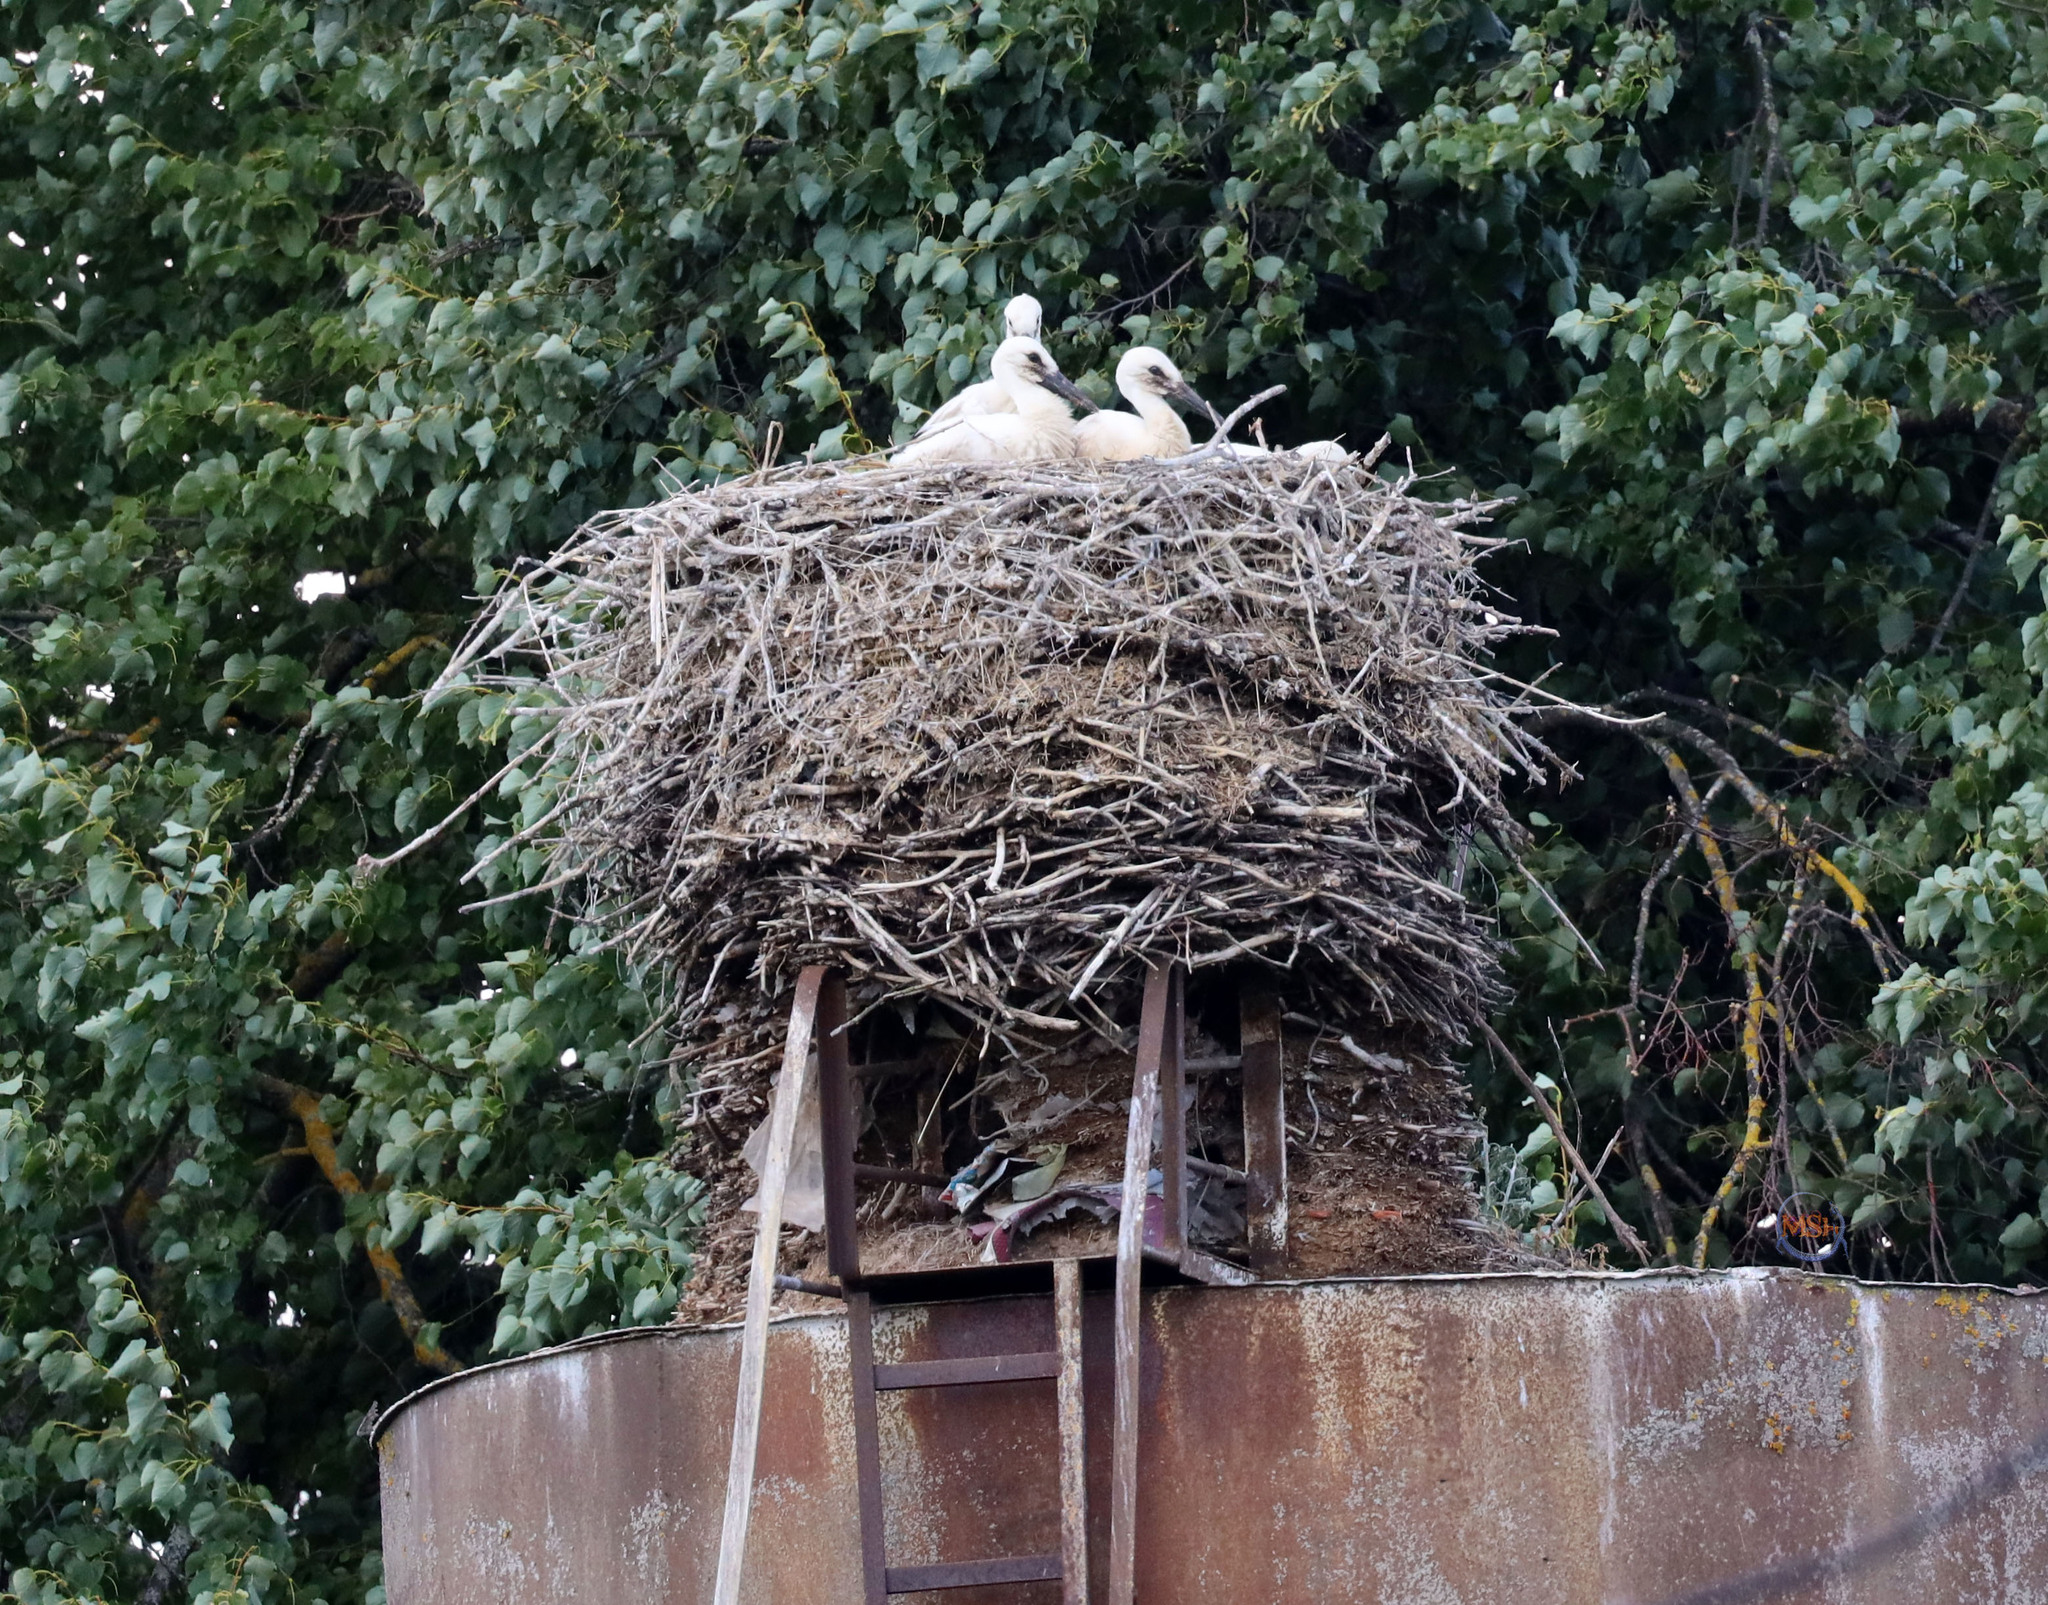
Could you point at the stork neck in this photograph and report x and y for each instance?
(1147, 405)
(1038, 403)
(1163, 423)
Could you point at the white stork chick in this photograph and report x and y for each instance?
(1316, 451)
(1022, 320)
(1150, 382)
(1038, 423)
(1321, 451)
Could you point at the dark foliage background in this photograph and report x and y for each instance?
(1744, 307)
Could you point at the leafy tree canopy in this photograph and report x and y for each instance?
(315, 318)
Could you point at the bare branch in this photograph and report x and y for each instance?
(1979, 539)
(1622, 1229)
(1767, 102)
(168, 1574)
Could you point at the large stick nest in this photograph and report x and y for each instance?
(1002, 736)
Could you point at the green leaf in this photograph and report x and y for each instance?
(213, 1423)
(145, 1411)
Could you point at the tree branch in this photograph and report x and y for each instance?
(134, 738)
(275, 826)
(318, 967)
(1768, 104)
(169, 1571)
(398, 659)
(304, 1105)
(1648, 730)
(1660, 1205)
(1657, 877)
(1221, 439)
(368, 867)
(1729, 716)
(2005, 417)
(1979, 539)
(1753, 999)
(279, 820)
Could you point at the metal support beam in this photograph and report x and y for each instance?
(837, 1135)
(1173, 1115)
(867, 1448)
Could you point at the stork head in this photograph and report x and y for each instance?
(1021, 360)
(1146, 371)
(1023, 316)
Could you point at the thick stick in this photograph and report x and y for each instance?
(1066, 1298)
(1221, 439)
(746, 1414)
(1130, 1262)
(1265, 1133)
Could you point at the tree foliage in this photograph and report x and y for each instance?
(1743, 307)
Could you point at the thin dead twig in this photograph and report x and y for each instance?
(1621, 1228)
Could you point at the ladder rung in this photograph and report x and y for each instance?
(953, 1373)
(970, 1573)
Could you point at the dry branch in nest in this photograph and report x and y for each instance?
(994, 739)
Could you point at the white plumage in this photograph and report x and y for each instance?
(1150, 382)
(1321, 451)
(1038, 423)
(1318, 451)
(1023, 318)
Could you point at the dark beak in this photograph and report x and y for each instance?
(1063, 387)
(1185, 393)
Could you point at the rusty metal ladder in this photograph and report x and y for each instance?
(1069, 1564)
(819, 1020)
(1061, 1363)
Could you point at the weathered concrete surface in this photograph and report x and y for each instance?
(1413, 1441)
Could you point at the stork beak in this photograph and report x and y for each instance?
(1063, 387)
(1185, 392)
